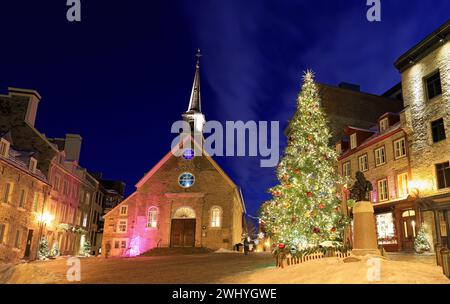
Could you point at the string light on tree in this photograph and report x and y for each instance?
(302, 211)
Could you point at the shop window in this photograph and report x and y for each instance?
(386, 229)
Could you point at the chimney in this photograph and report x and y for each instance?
(72, 147)
(349, 86)
(32, 103)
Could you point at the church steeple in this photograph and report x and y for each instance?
(195, 102)
(194, 115)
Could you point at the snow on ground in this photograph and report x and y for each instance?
(29, 273)
(225, 268)
(335, 271)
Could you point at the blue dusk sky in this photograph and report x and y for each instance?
(123, 75)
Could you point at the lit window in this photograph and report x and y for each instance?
(215, 217)
(443, 175)
(380, 156)
(4, 147)
(346, 169)
(122, 227)
(383, 190)
(116, 244)
(33, 165)
(123, 210)
(402, 185)
(152, 217)
(433, 84)
(400, 148)
(438, 130)
(363, 163)
(186, 180)
(353, 141)
(188, 154)
(384, 124)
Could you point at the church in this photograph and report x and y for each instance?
(183, 201)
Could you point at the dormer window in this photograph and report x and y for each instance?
(353, 141)
(33, 165)
(384, 124)
(339, 148)
(4, 147)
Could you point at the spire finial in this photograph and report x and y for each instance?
(198, 55)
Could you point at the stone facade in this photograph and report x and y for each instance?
(160, 189)
(23, 196)
(430, 56)
(73, 203)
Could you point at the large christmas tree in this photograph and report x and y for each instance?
(305, 209)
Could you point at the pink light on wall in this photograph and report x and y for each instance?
(134, 247)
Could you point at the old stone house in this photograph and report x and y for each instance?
(72, 203)
(183, 201)
(425, 71)
(24, 189)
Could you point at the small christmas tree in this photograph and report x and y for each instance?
(44, 251)
(305, 209)
(87, 248)
(421, 243)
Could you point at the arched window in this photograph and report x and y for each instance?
(152, 217)
(216, 214)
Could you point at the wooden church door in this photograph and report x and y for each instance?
(182, 233)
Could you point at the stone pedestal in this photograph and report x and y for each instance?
(364, 230)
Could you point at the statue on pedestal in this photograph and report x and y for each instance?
(361, 189)
(365, 236)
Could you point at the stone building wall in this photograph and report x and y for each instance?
(17, 218)
(420, 112)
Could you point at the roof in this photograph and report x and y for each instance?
(376, 137)
(20, 160)
(424, 47)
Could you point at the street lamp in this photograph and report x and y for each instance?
(43, 219)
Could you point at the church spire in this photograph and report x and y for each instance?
(195, 102)
(194, 115)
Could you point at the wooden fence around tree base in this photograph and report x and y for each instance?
(283, 260)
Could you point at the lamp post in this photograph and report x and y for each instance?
(43, 219)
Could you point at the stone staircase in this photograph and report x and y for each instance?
(168, 251)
